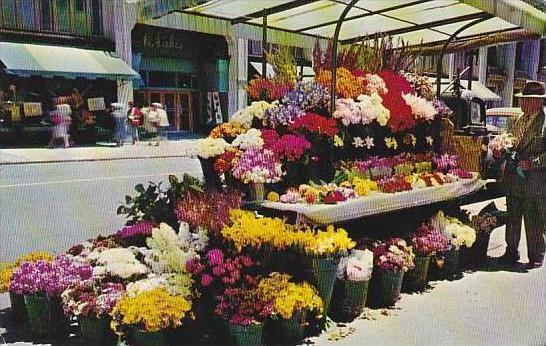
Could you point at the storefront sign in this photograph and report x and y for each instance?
(32, 109)
(96, 104)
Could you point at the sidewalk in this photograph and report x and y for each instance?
(126, 152)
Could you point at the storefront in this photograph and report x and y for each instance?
(185, 71)
(34, 78)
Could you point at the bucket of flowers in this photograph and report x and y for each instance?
(42, 283)
(245, 311)
(91, 303)
(426, 241)
(147, 318)
(483, 225)
(17, 301)
(392, 258)
(323, 250)
(290, 303)
(446, 264)
(351, 288)
(207, 150)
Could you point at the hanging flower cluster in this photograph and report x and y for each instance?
(393, 254)
(258, 166)
(312, 123)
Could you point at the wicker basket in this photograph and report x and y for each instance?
(348, 300)
(468, 148)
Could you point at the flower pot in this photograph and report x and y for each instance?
(257, 192)
(212, 179)
(446, 265)
(323, 270)
(291, 330)
(141, 338)
(18, 308)
(96, 330)
(385, 287)
(45, 316)
(246, 335)
(348, 300)
(416, 279)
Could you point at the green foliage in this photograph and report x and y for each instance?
(156, 204)
(284, 64)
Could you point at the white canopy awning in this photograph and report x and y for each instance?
(414, 21)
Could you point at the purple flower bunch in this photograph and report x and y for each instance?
(393, 254)
(49, 278)
(446, 162)
(88, 298)
(258, 166)
(283, 114)
(308, 95)
(442, 109)
(428, 241)
(243, 306)
(143, 228)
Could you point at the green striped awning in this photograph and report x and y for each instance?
(53, 61)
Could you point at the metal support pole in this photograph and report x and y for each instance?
(443, 52)
(264, 44)
(334, 54)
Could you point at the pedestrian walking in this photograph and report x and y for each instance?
(61, 119)
(150, 122)
(119, 117)
(134, 119)
(163, 120)
(525, 179)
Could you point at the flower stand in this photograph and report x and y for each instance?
(246, 335)
(140, 338)
(96, 330)
(416, 279)
(18, 308)
(323, 271)
(212, 179)
(257, 192)
(348, 300)
(45, 316)
(385, 288)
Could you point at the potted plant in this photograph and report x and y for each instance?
(291, 302)
(351, 288)
(458, 235)
(42, 283)
(257, 167)
(245, 311)
(147, 317)
(426, 241)
(91, 303)
(17, 301)
(392, 258)
(323, 250)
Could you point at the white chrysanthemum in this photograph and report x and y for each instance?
(208, 147)
(252, 139)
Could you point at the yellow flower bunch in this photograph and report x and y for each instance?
(289, 297)
(272, 196)
(227, 130)
(323, 243)
(247, 230)
(364, 186)
(7, 269)
(347, 85)
(150, 311)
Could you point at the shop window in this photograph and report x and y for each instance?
(161, 79)
(186, 81)
(9, 9)
(46, 17)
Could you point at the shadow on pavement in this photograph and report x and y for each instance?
(494, 265)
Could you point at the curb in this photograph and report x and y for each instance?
(30, 162)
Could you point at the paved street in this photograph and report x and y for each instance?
(51, 206)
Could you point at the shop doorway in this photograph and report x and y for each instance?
(179, 106)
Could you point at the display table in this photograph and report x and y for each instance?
(377, 203)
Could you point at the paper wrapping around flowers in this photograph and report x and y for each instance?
(378, 202)
(32, 109)
(96, 104)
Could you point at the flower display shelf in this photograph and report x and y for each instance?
(18, 308)
(246, 335)
(96, 330)
(348, 300)
(416, 278)
(45, 316)
(385, 288)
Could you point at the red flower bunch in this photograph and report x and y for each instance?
(427, 241)
(314, 123)
(401, 114)
(332, 197)
(270, 137)
(209, 210)
(394, 184)
(268, 89)
(393, 254)
(225, 161)
(216, 271)
(243, 306)
(290, 147)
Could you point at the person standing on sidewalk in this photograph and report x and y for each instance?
(525, 183)
(119, 117)
(134, 118)
(163, 120)
(61, 120)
